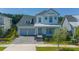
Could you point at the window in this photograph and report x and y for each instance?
(55, 18)
(1, 21)
(28, 22)
(50, 19)
(32, 21)
(45, 18)
(49, 31)
(39, 20)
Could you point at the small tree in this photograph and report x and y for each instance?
(60, 35)
(77, 33)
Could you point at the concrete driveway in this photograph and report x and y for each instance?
(24, 40)
(22, 43)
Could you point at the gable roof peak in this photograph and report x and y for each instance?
(50, 9)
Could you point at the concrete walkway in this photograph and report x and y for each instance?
(21, 47)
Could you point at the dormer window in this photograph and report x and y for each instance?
(39, 20)
(28, 22)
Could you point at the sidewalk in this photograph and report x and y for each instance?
(31, 47)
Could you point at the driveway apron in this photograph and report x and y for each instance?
(24, 40)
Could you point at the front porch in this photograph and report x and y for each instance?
(45, 29)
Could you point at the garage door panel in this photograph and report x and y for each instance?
(31, 32)
(28, 31)
(23, 32)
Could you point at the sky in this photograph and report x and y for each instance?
(34, 11)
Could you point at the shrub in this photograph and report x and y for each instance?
(66, 49)
(45, 39)
(10, 35)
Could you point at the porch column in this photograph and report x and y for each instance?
(18, 31)
(36, 30)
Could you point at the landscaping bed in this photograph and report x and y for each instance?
(56, 49)
(2, 48)
(8, 37)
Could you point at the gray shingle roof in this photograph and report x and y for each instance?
(22, 22)
(70, 18)
(47, 11)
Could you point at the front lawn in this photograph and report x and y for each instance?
(55, 49)
(5, 42)
(2, 48)
(55, 42)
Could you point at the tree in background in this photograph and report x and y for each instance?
(60, 19)
(15, 17)
(1, 33)
(60, 35)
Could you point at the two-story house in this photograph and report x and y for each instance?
(43, 23)
(5, 23)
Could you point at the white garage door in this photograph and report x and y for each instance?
(28, 31)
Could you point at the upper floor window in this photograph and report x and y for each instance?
(32, 21)
(55, 18)
(39, 20)
(45, 18)
(50, 19)
(1, 21)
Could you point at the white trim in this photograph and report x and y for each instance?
(44, 25)
(74, 24)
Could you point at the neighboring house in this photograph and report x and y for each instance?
(70, 22)
(5, 23)
(43, 23)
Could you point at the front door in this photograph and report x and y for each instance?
(49, 31)
(39, 31)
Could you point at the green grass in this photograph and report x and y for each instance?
(54, 42)
(46, 48)
(2, 48)
(6, 42)
(55, 49)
